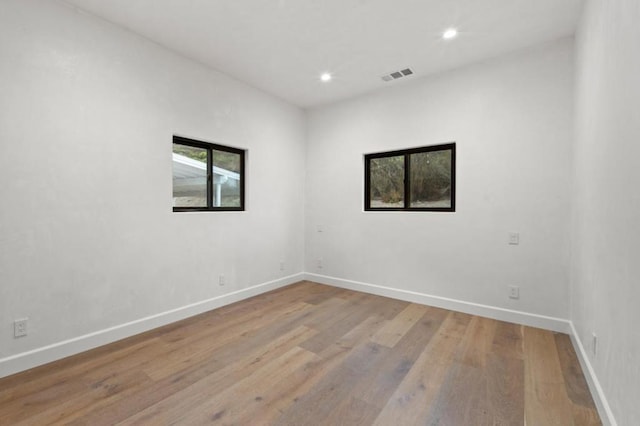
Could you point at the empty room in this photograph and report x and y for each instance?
(299, 212)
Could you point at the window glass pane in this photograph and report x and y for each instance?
(430, 179)
(226, 179)
(189, 176)
(387, 182)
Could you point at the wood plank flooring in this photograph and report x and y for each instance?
(310, 354)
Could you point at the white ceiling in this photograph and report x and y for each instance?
(282, 46)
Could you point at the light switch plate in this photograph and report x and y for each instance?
(514, 238)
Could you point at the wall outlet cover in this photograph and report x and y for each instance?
(514, 292)
(20, 327)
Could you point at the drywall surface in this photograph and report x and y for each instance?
(88, 239)
(605, 251)
(511, 119)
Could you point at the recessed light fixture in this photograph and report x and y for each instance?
(325, 77)
(450, 33)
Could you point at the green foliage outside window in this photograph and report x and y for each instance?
(430, 176)
(387, 179)
(226, 160)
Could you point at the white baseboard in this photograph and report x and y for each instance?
(606, 415)
(40, 356)
(502, 314)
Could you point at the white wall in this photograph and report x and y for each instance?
(512, 121)
(605, 253)
(88, 239)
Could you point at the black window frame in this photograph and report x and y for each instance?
(406, 153)
(213, 147)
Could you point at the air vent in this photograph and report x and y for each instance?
(397, 74)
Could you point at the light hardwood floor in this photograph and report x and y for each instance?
(310, 354)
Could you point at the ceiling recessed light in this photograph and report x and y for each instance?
(450, 33)
(325, 77)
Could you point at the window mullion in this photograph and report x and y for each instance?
(209, 178)
(407, 189)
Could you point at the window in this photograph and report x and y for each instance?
(418, 179)
(207, 176)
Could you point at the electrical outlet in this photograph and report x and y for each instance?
(319, 228)
(594, 344)
(221, 280)
(319, 263)
(281, 265)
(514, 292)
(20, 327)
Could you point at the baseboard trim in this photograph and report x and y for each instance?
(46, 354)
(502, 314)
(606, 415)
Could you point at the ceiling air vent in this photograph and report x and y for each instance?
(397, 74)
